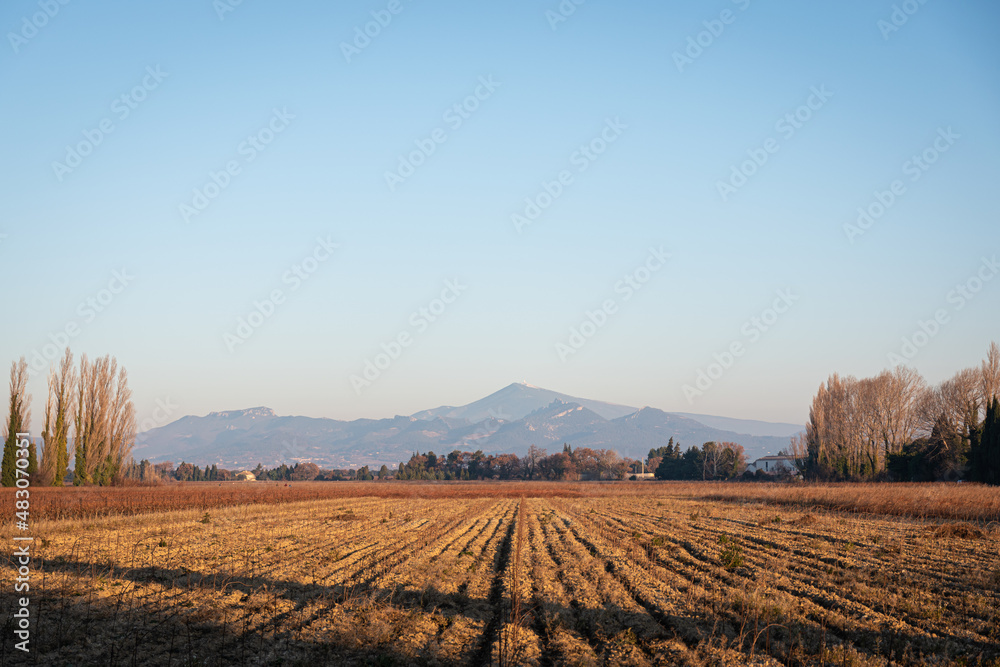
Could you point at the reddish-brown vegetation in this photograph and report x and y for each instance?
(966, 502)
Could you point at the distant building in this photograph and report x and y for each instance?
(245, 476)
(772, 465)
(642, 475)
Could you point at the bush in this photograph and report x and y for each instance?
(731, 554)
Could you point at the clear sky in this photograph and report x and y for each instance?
(200, 149)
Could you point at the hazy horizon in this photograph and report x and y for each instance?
(463, 403)
(602, 202)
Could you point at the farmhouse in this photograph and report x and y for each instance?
(772, 465)
(245, 476)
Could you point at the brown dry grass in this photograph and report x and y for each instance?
(962, 530)
(92, 502)
(969, 502)
(966, 502)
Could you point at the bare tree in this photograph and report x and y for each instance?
(797, 448)
(866, 415)
(990, 371)
(897, 413)
(963, 399)
(104, 420)
(47, 466)
(828, 436)
(855, 424)
(531, 460)
(58, 407)
(711, 457)
(952, 407)
(123, 425)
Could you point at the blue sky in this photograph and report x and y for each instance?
(204, 85)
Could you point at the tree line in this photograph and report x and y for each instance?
(896, 426)
(537, 464)
(303, 471)
(711, 461)
(89, 417)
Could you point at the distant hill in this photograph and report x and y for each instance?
(748, 426)
(519, 400)
(509, 420)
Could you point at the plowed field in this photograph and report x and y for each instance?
(632, 579)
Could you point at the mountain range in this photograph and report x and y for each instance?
(507, 421)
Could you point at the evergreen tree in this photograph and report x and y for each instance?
(678, 466)
(18, 422)
(989, 449)
(8, 476)
(79, 465)
(32, 459)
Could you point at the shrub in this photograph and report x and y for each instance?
(731, 554)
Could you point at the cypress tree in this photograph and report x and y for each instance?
(80, 462)
(32, 459)
(975, 452)
(989, 449)
(7, 474)
(18, 420)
